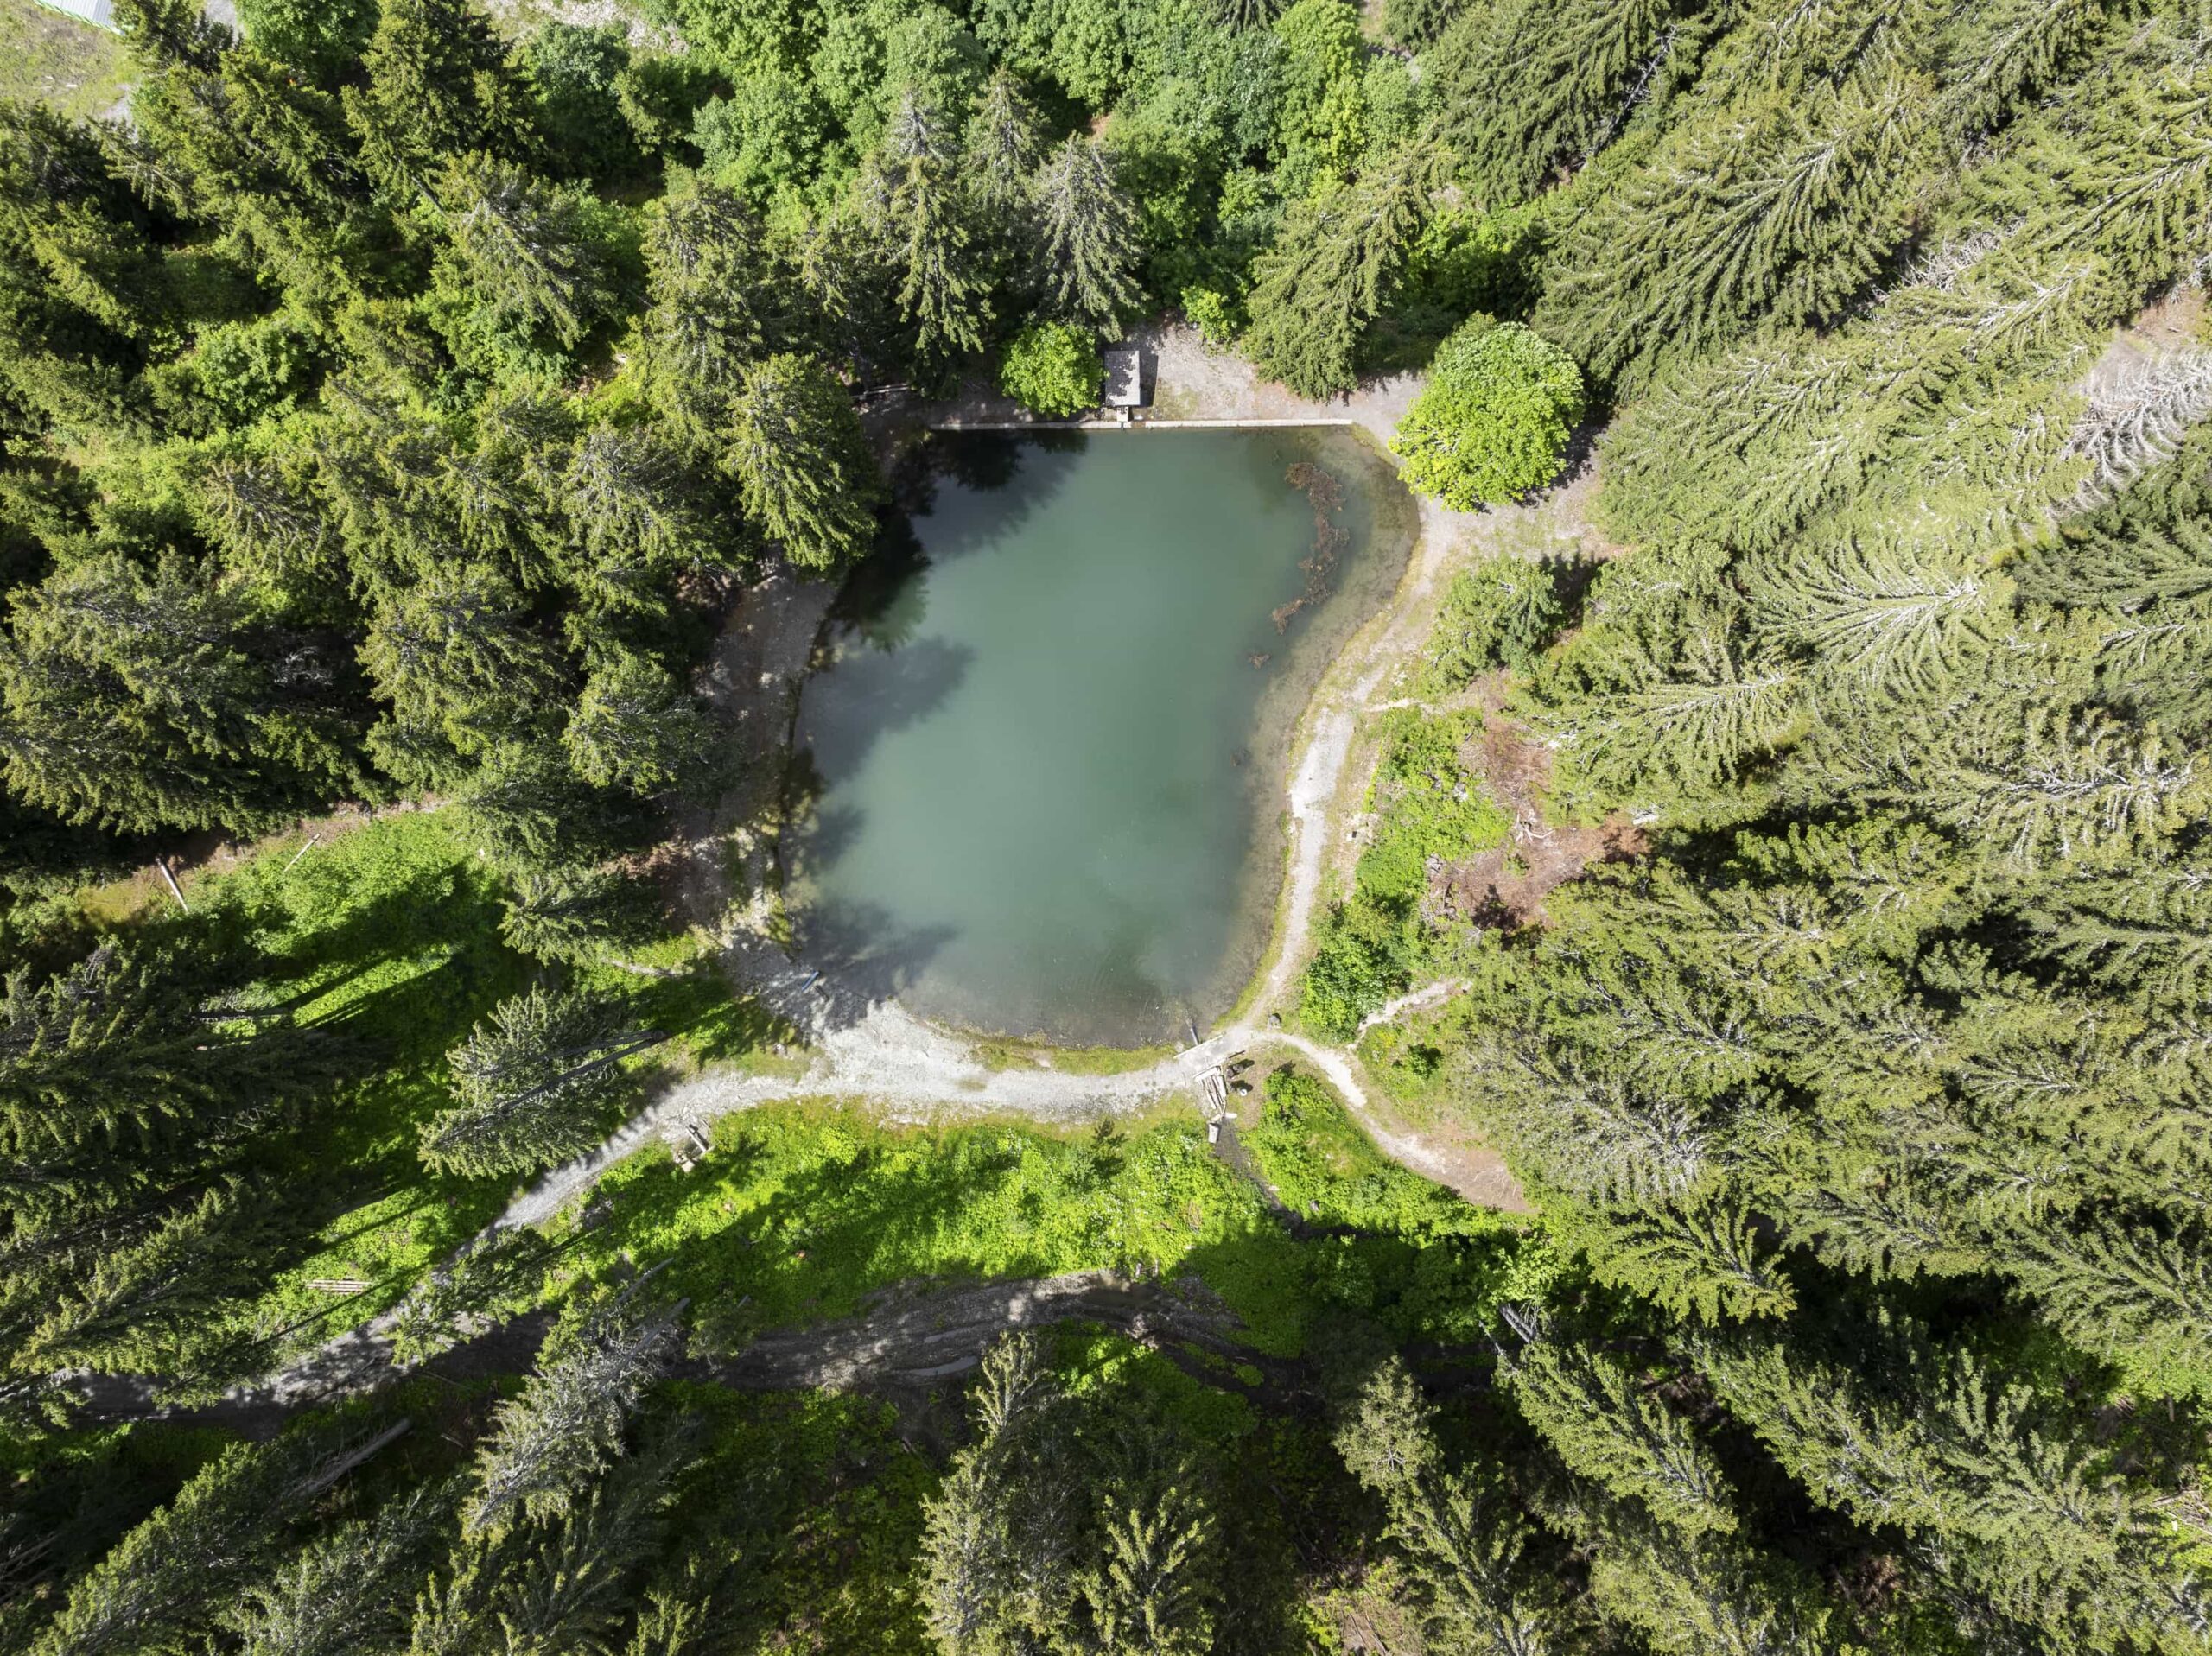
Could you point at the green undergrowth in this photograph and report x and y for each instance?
(816, 1499)
(1429, 810)
(63, 62)
(55, 1527)
(1325, 1170)
(386, 941)
(802, 1211)
(1091, 1361)
(1411, 1057)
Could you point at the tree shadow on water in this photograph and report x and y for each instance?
(865, 957)
(861, 698)
(885, 596)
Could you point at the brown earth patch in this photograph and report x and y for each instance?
(1505, 888)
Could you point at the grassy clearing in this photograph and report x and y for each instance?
(1409, 1056)
(47, 57)
(386, 940)
(999, 1052)
(1429, 810)
(1325, 1170)
(803, 1210)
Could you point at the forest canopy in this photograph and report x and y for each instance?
(398, 397)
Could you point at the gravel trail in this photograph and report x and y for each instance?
(865, 1047)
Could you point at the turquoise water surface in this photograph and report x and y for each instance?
(1048, 735)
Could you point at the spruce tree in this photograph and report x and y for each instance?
(459, 1297)
(710, 280)
(157, 1588)
(1590, 1409)
(1462, 1538)
(1334, 266)
(454, 655)
(532, 1083)
(340, 1594)
(801, 462)
(566, 1425)
(1782, 213)
(1532, 90)
(999, 150)
(438, 85)
(156, 698)
(1086, 238)
(520, 248)
(635, 728)
(924, 222)
(577, 916)
(633, 516)
(1152, 1588)
(63, 214)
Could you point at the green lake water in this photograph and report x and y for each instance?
(1048, 736)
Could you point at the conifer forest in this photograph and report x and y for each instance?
(1776, 857)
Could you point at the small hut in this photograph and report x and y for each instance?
(99, 12)
(1124, 380)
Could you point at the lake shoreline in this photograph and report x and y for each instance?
(1039, 757)
(1192, 387)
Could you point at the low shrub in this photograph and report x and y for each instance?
(1494, 421)
(1053, 368)
(1504, 612)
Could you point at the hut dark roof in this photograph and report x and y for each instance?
(1124, 377)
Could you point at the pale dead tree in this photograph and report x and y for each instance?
(2137, 416)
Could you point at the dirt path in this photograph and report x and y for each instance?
(910, 1334)
(865, 1046)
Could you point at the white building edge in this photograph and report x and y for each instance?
(101, 12)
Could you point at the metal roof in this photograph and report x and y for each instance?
(1124, 377)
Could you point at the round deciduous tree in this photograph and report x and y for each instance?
(1053, 368)
(1494, 421)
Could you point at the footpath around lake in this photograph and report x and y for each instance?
(858, 1045)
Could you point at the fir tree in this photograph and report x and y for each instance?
(532, 1083)
(1086, 233)
(801, 463)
